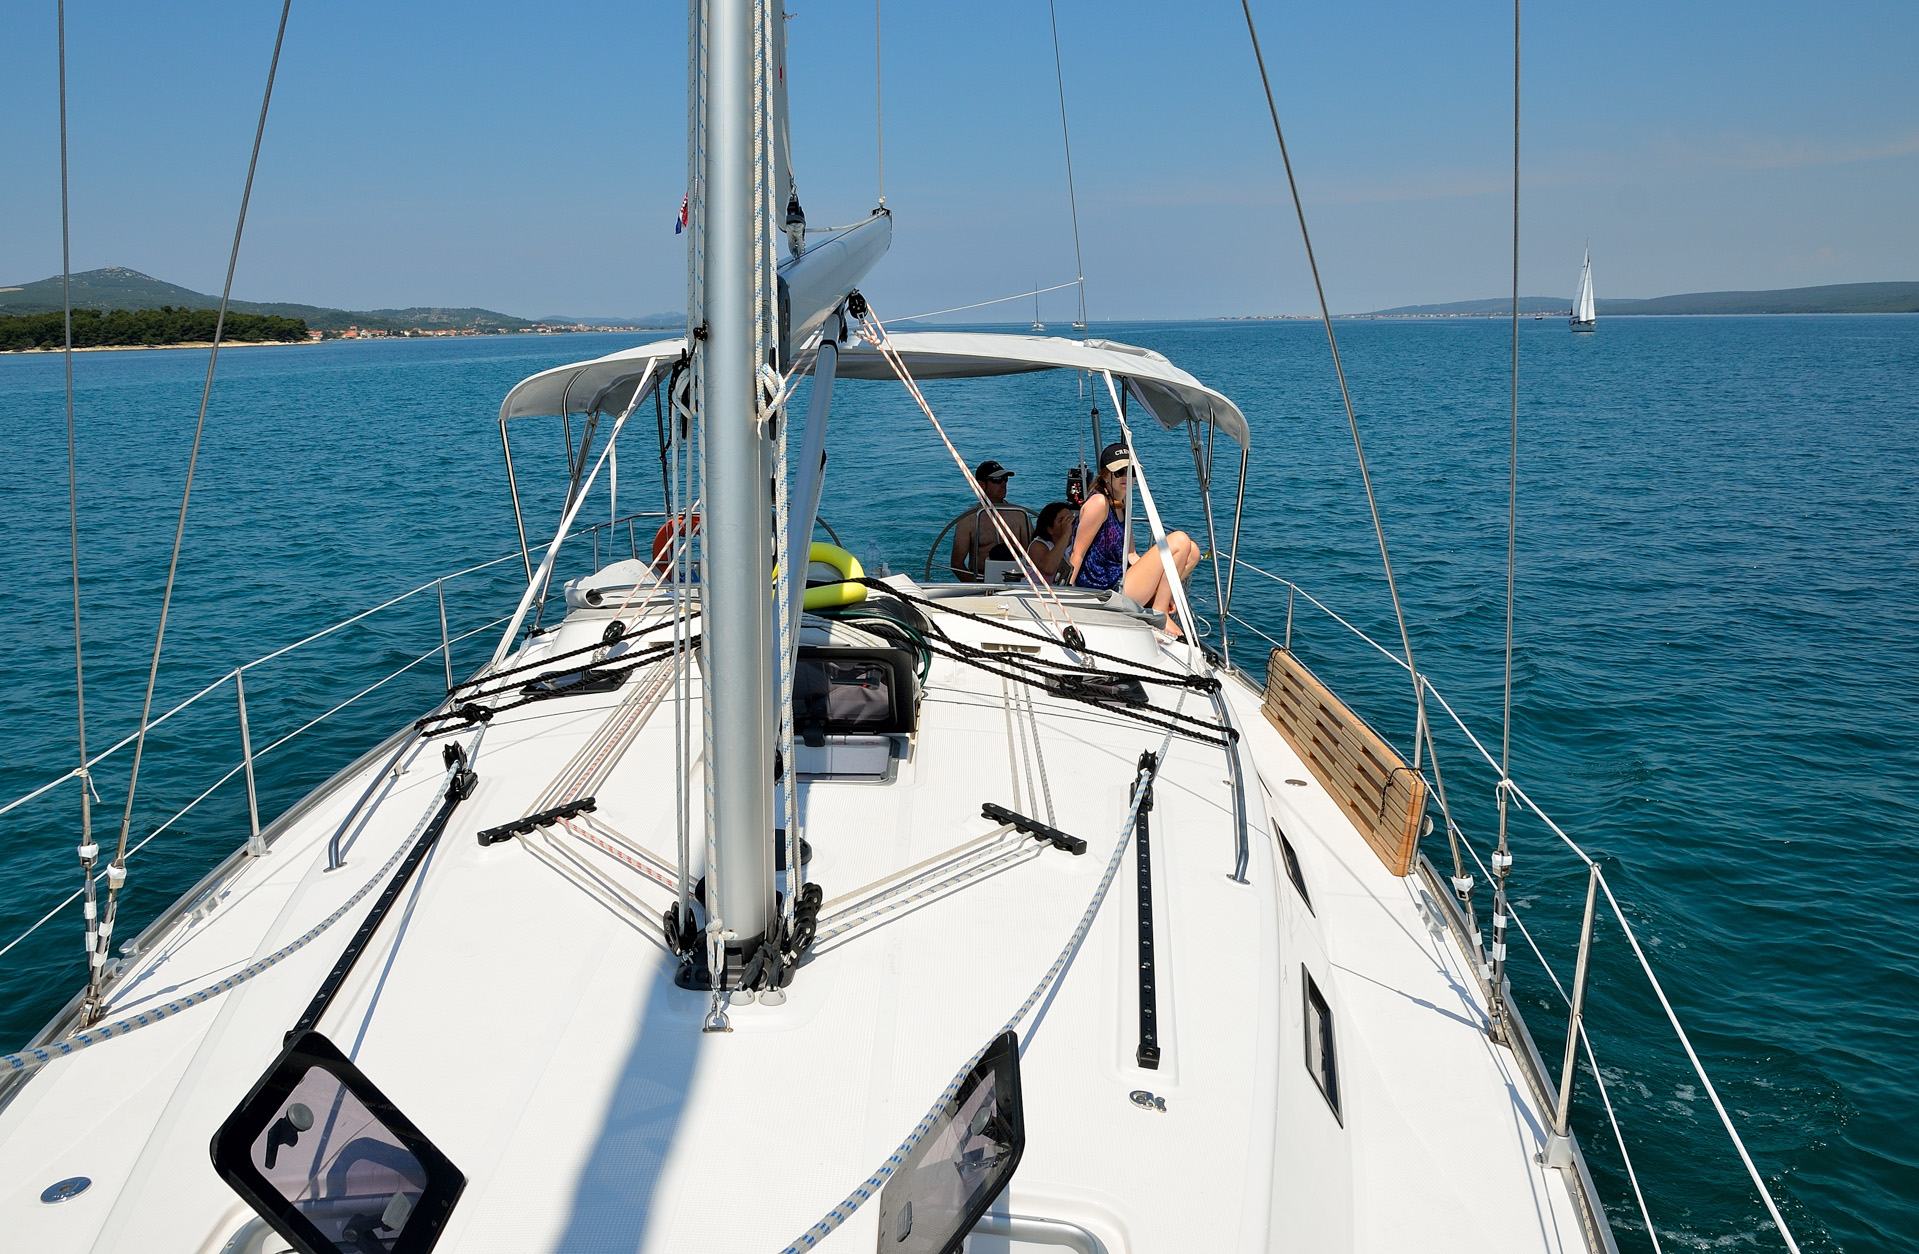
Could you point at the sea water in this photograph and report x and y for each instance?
(1715, 661)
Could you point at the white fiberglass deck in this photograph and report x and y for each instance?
(530, 1026)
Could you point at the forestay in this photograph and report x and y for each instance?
(1171, 395)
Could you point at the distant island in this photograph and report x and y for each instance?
(116, 288)
(1836, 298)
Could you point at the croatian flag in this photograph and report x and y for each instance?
(679, 223)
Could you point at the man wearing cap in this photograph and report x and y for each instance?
(975, 539)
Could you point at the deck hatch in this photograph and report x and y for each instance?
(857, 691)
(948, 1180)
(331, 1163)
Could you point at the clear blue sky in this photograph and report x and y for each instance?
(530, 158)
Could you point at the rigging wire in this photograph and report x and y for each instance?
(998, 300)
(1072, 197)
(116, 874)
(1345, 394)
(1422, 733)
(1503, 858)
(873, 331)
(88, 851)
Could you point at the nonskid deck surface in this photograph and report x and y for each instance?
(519, 1006)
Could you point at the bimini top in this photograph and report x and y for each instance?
(1171, 395)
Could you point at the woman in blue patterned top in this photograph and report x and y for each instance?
(1100, 556)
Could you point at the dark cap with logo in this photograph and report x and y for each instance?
(992, 471)
(1114, 457)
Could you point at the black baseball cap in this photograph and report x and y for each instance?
(1115, 457)
(992, 470)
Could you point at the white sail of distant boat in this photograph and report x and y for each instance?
(1585, 317)
(1038, 326)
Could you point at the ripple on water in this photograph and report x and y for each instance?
(1716, 659)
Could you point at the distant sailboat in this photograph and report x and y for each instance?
(1585, 318)
(1038, 326)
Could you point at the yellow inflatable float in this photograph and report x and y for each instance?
(829, 596)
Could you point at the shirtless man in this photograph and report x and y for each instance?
(975, 538)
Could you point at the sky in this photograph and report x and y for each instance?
(531, 159)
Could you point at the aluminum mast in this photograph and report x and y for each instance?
(736, 619)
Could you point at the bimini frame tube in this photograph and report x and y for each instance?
(540, 577)
(1232, 563)
(809, 476)
(512, 486)
(1203, 468)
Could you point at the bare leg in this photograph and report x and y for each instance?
(1147, 584)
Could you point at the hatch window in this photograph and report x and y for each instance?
(326, 1159)
(1293, 873)
(1321, 1061)
(853, 691)
(964, 1161)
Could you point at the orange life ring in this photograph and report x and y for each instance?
(663, 539)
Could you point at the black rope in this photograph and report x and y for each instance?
(547, 661)
(1111, 707)
(460, 783)
(1198, 683)
(659, 425)
(1047, 668)
(471, 711)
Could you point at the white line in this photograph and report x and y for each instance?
(1041, 291)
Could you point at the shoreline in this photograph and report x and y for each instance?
(383, 339)
(134, 348)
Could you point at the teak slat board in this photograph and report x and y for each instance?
(1384, 798)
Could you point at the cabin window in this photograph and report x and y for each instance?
(1293, 873)
(1321, 1061)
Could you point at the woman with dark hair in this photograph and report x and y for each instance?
(1100, 556)
(1049, 546)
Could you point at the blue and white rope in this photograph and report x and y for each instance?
(885, 903)
(28, 1059)
(871, 1186)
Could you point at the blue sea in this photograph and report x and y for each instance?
(1716, 685)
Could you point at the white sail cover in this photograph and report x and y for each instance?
(1171, 395)
(1583, 307)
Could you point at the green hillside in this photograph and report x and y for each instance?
(1469, 308)
(116, 287)
(1832, 298)
(1836, 298)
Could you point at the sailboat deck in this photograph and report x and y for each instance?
(527, 1021)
